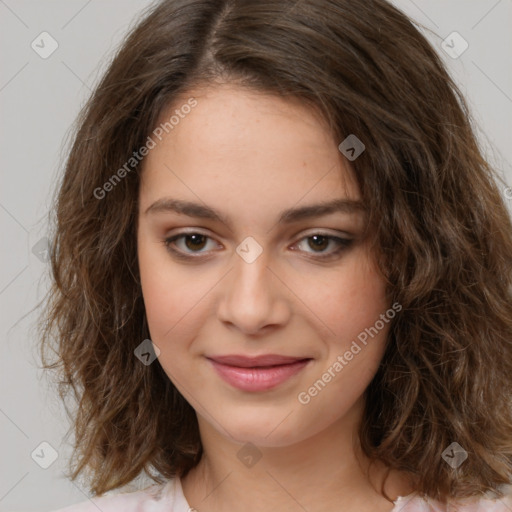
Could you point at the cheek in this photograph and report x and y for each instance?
(352, 310)
(159, 300)
(170, 301)
(175, 296)
(167, 292)
(351, 299)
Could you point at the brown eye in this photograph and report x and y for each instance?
(195, 241)
(186, 245)
(319, 243)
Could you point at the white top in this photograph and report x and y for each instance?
(169, 497)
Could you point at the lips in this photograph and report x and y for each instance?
(256, 374)
(265, 360)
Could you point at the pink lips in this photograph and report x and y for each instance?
(257, 373)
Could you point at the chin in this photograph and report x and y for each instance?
(260, 430)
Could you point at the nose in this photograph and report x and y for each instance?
(253, 297)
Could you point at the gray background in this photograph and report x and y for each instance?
(39, 99)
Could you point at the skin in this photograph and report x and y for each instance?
(236, 151)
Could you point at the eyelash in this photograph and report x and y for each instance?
(343, 244)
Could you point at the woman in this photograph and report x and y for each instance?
(281, 270)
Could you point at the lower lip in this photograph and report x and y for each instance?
(258, 379)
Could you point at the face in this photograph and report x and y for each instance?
(255, 281)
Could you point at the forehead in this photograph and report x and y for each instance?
(238, 147)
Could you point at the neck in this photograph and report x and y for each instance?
(317, 473)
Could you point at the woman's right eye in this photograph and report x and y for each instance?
(192, 241)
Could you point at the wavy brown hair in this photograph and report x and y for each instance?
(439, 227)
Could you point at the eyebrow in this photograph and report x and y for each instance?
(288, 216)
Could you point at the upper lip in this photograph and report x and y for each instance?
(263, 360)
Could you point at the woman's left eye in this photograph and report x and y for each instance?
(320, 241)
(195, 242)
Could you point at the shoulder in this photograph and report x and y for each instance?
(415, 503)
(155, 498)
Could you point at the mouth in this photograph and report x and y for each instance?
(266, 360)
(257, 374)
